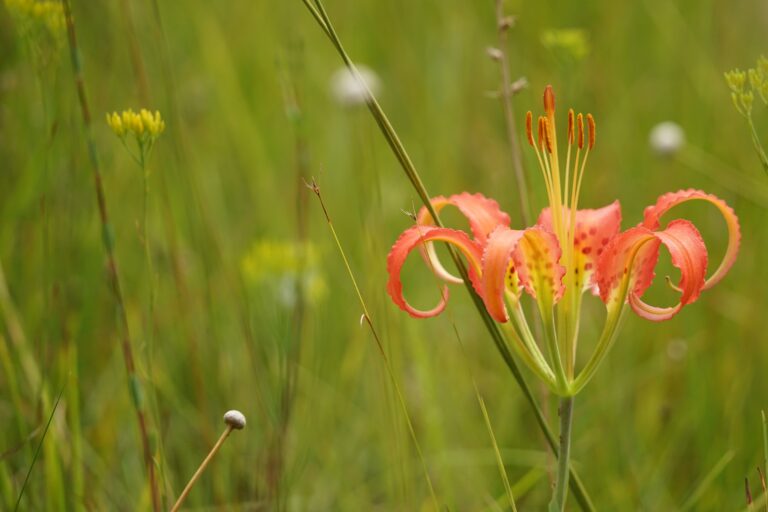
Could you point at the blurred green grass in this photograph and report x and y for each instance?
(671, 401)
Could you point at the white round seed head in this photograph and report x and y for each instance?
(666, 138)
(234, 419)
(351, 91)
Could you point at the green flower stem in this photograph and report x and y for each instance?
(758, 146)
(616, 308)
(112, 271)
(608, 336)
(561, 485)
(522, 350)
(518, 316)
(398, 149)
(550, 334)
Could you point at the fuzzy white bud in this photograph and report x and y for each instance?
(349, 90)
(666, 138)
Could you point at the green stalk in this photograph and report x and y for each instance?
(380, 347)
(758, 146)
(561, 485)
(76, 430)
(616, 311)
(150, 322)
(608, 336)
(509, 115)
(134, 384)
(39, 446)
(524, 344)
(765, 447)
(550, 334)
(318, 12)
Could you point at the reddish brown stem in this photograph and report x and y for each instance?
(112, 273)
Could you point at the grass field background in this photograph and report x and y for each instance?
(253, 308)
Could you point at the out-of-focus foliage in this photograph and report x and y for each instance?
(253, 308)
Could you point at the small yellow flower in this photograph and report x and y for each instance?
(41, 24)
(745, 86)
(282, 266)
(736, 80)
(145, 127)
(116, 123)
(569, 43)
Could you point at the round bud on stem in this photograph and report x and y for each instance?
(234, 419)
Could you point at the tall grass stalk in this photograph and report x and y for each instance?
(765, 445)
(10, 375)
(39, 446)
(707, 481)
(134, 383)
(290, 383)
(318, 12)
(379, 345)
(76, 434)
(499, 459)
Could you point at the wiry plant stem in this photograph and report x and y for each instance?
(203, 465)
(112, 274)
(502, 26)
(379, 345)
(561, 484)
(39, 446)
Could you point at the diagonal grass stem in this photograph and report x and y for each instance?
(367, 317)
(318, 12)
(40, 445)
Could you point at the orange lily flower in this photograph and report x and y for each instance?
(567, 252)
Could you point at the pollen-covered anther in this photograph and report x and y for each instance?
(580, 125)
(570, 126)
(549, 101)
(529, 127)
(540, 138)
(592, 129)
(548, 132)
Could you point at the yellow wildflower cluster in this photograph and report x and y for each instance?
(47, 13)
(41, 24)
(284, 265)
(144, 125)
(571, 44)
(744, 85)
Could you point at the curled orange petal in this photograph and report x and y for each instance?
(667, 201)
(626, 268)
(418, 236)
(483, 214)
